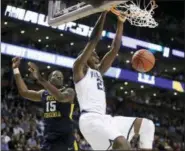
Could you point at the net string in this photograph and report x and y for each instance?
(135, 15)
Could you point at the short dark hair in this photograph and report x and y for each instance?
(50, 75)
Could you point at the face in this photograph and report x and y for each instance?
(93, 60)
(56, 79)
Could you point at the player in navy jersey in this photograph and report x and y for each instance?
(58, 105)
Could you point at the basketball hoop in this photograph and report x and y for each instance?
(136, 14)
(59, 12)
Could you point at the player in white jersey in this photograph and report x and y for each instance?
(104, 132)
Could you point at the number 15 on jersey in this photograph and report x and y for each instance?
(51, 106)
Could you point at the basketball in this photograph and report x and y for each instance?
(143, 60)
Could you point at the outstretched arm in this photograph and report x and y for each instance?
(93, 41)
(22, 88)
(65, 96)
(108, 59)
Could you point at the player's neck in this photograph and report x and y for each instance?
(95, 67)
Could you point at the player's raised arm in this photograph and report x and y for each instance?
(93, 41)
(22, 88)
(108, 59)
(65, 96)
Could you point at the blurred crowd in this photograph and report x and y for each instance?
(170, 30)
(22, 125)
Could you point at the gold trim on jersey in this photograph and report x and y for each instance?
(75, 146)
(52, 114)
(71, 111)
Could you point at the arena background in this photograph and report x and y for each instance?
(157, 95)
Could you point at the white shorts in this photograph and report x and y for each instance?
(100, 130)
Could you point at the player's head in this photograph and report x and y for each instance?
(93, 61)
(56, 78)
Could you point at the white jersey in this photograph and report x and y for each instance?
(90, 92)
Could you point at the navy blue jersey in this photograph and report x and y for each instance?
(57, 116)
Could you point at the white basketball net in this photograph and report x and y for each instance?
(135, 14)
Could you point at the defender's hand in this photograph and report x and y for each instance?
(16, 62)
(34, 70)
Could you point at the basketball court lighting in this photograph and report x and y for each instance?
(172, 39)
(108, 46)
(154, 94)
(61, 34)
(142, 86)
(121, 88)
(131, 91)
(127, 61)
(22, 31)
(174, 68)
(48, 67)
(175, 93)
(5, 22)
(126, 83)
(126, 92)
(131, 52)
(39, 40)
(37, 28)
(72, 43)
(47, 37)
(47, 46)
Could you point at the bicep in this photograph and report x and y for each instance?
(33, 95)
